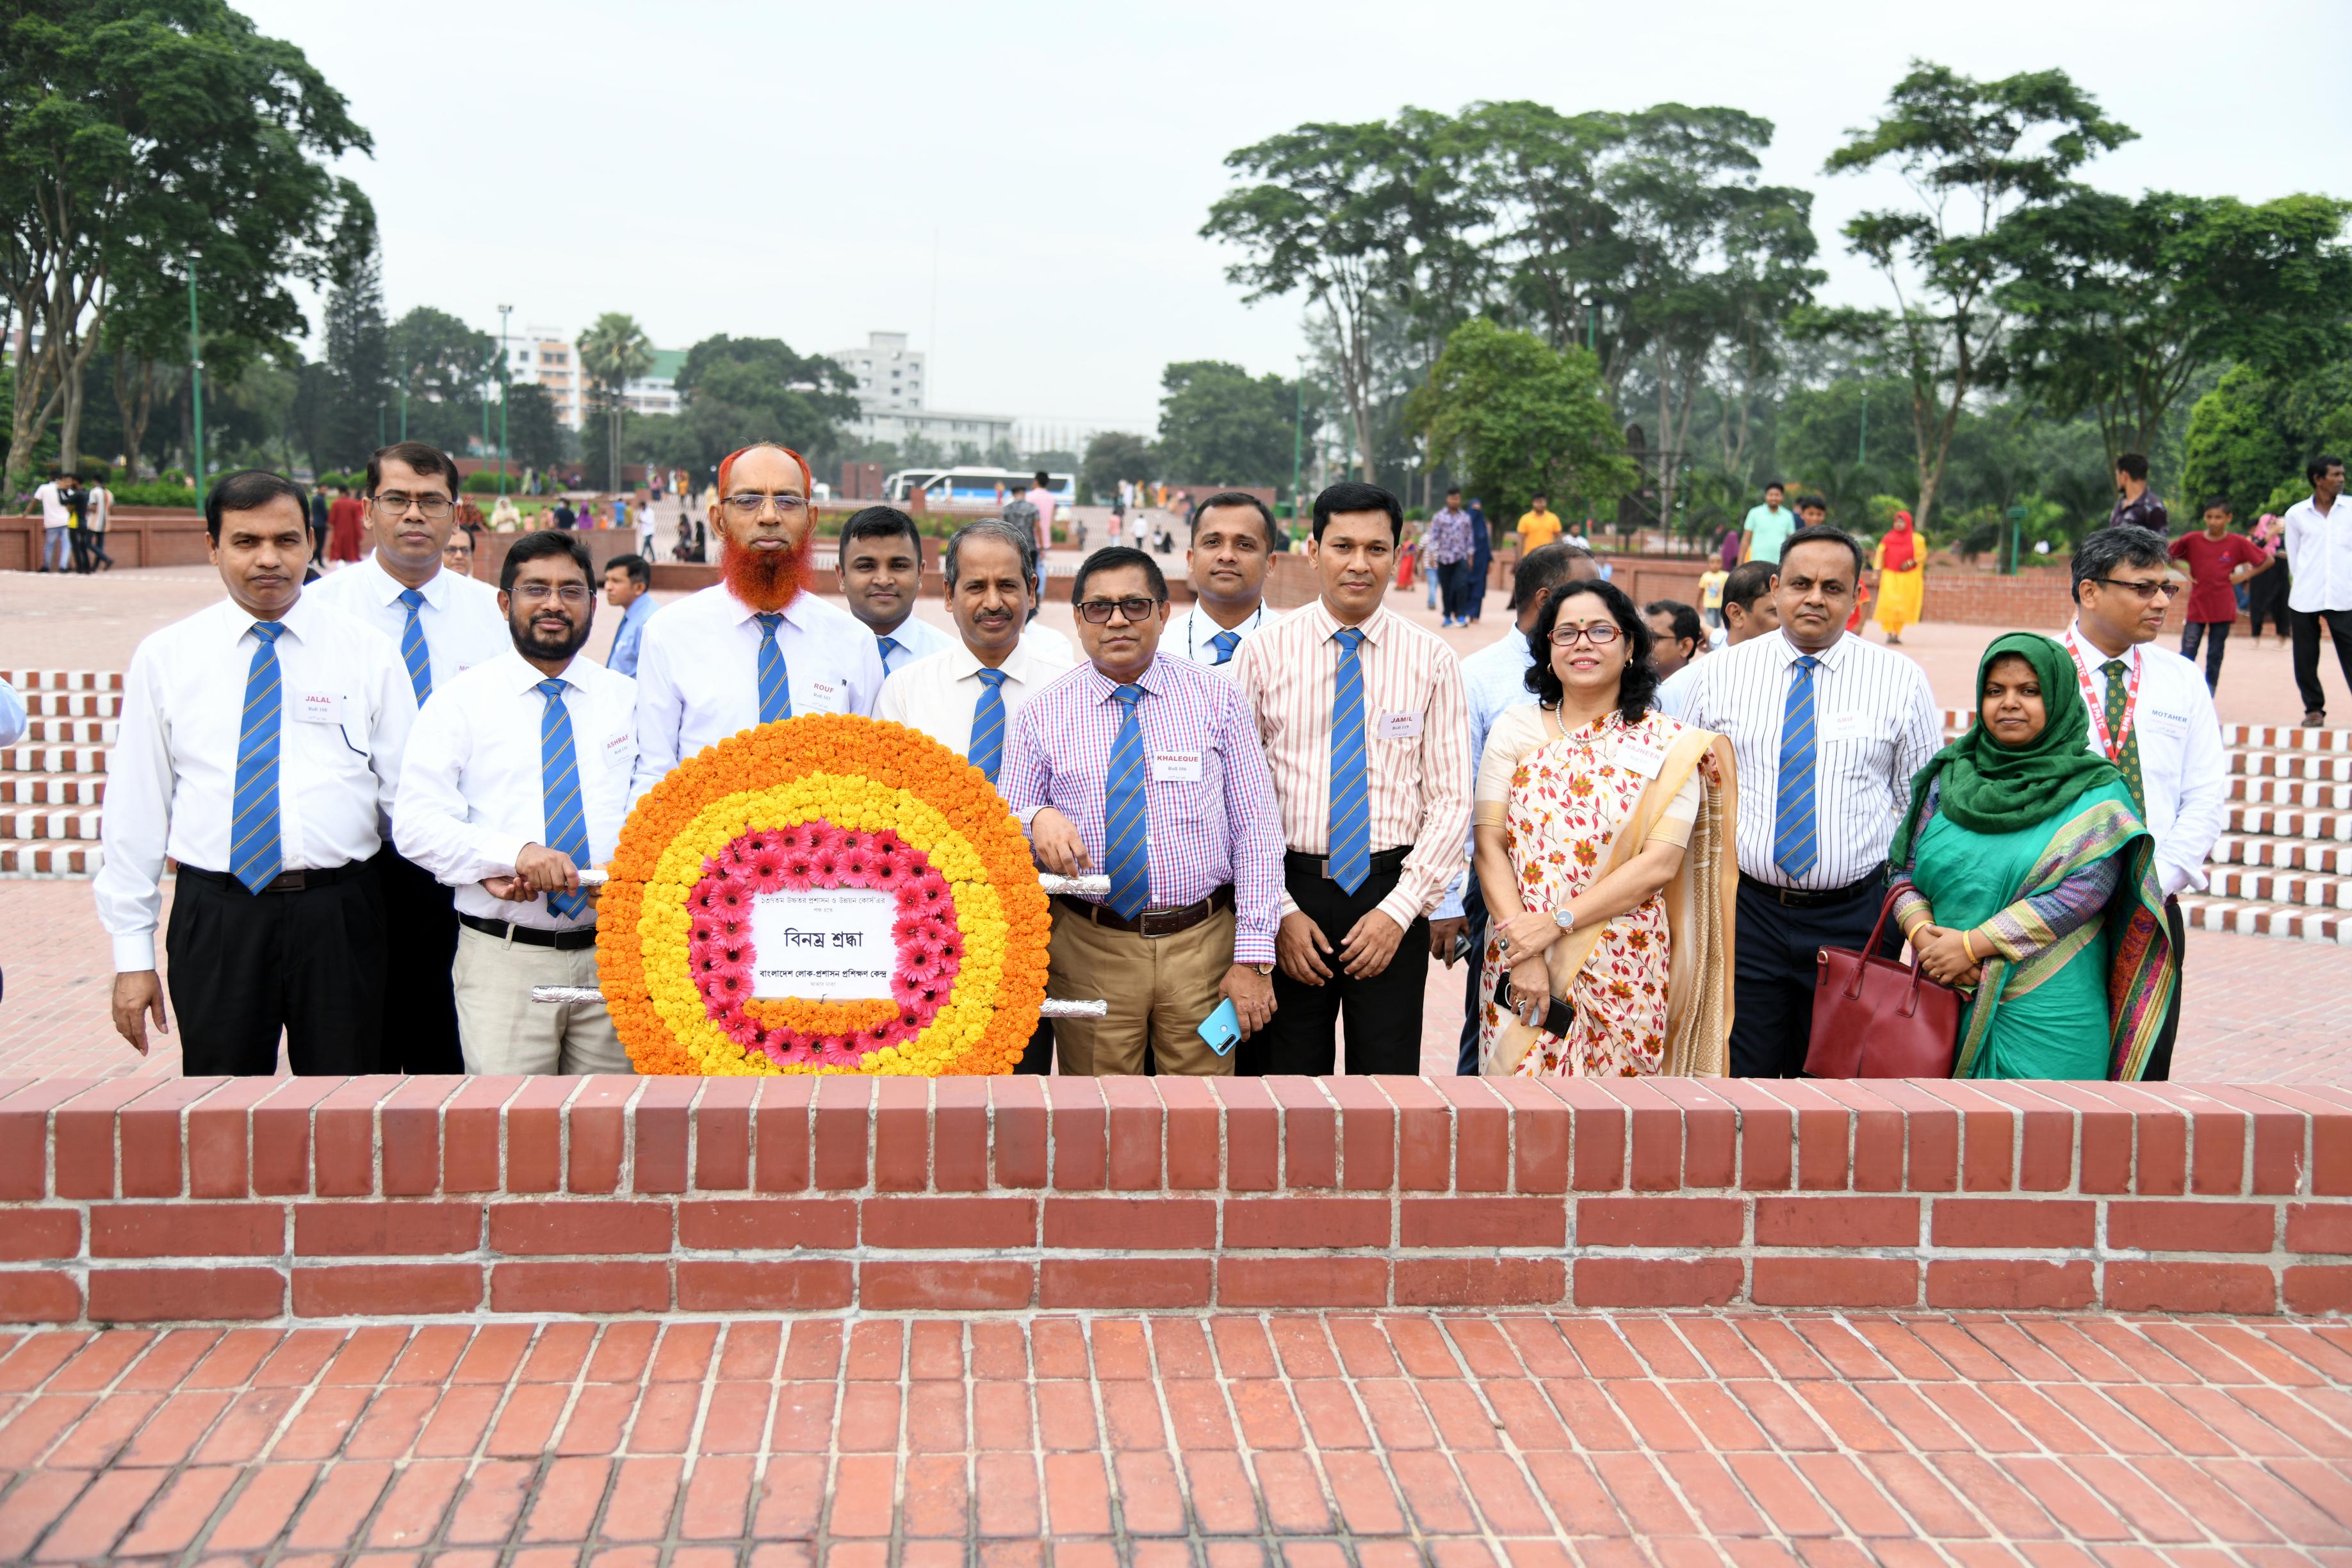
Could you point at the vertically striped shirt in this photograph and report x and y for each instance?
(1417, 741)
(1875, 725)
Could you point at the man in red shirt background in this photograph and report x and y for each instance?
(2218, 560)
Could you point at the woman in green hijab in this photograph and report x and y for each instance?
(2029, 878)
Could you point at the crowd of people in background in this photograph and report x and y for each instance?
(73, 524)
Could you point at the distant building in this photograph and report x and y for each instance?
(889, 374)
(656, 392)
(545, 355)
(891, 401)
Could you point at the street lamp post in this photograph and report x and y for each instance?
(197, 378)
(1298, 440)
(504, 312)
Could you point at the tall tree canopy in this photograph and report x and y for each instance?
(1219, 425)
(1525, 417)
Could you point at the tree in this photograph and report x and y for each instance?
(133, 134)
(613, 352)
(2249, 435)
(1219, 425)
(2122, 304)
(1113, 455)
(737, 391)
(358, 383)
(1973, 152)
(1525, 417)
(1559, 259)
(533, 437)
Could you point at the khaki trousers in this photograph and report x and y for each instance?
(1159, 988)
(502, 1030)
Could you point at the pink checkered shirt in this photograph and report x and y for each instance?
(1223, 827)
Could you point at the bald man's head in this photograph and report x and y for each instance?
(764, 515)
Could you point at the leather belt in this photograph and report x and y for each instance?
(571, 940)
(1816, 898)
(1382, 861)
(1151, 922)
(284, 881)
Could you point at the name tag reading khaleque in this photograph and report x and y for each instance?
(827, 945)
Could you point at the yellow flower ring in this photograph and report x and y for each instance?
(826, 801)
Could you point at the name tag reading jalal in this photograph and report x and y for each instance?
(827, 945)
(320, 708)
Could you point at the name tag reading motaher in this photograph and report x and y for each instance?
(827, 945)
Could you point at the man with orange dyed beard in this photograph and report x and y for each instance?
(754, 648)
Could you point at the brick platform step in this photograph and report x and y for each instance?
(48, 858)
(52, 789)
(2257, 884)
(2334, 768)
(2307, 792)
(2282, 737)
(53, 759)
(2247, 918)
(61, 823)
(2295, 854)
(71, 731)
(73, 704)
(63, 679)
(1459, 1440)
(2288, 823)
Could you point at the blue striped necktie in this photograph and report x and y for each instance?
(413, 651)
(257, 850)
(1796, 837)
(558, 784)
(775, 688)
(888, 647)
(1126, 849)
(987, 753)
(1350, 847)
(1224, 643)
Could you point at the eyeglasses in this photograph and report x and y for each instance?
(392, 503)
(573, 593)
(1098, 611)
(751, 503)
(1600, 633)
(2165, 586)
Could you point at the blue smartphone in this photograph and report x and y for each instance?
(1222, 1027)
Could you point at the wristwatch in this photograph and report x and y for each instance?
(1564, 917)
(1264, 969)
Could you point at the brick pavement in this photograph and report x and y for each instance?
(1215, 1443)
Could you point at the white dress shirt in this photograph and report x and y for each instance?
(1187, 635)
(1495, 681)
(459, 617)
(2183, 771)
(170, 786)
(1875, 725)
(698, 673)
(2319, 554)
(1045, 641)
(938, 693)
(916, 638)
(471, 793)
(1675, 690)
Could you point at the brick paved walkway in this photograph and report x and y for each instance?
(1375, 1441)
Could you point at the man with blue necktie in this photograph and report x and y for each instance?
(1232, 549)
(881, 571)
(1827, 732)
(441, 624)
(516, 780)
(1148, 769)
(259, 747)
(628, 588)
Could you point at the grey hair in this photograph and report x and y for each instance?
(996, 527)
(2126, 544)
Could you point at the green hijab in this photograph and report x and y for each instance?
(1988, 787)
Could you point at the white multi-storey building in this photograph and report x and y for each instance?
(891, 403)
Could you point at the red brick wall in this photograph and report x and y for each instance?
(211, 1200)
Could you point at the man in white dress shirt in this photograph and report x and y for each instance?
(2151, 715)
(753, 648)
(516, 777)
(1232, 551)
(1827, 732)
(1749, 613)
(881, 571)
(259, 748)
(965, 696)
(1493, 680)
(2318, 538)
(439, 623)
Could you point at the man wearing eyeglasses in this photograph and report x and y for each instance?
(753, 648)
(2152, 715)
(516, 779)
(441, 624)
(1148, 770)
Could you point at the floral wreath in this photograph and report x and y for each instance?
(824, 801)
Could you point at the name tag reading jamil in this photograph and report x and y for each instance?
(1399, 726)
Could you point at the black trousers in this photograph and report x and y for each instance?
(1772, 977)
(2160, 1059)
(246, 967)
(420, 1012)
(80, 539)
(1037, 1056)
(1381, 1013)
(2306, 626)
(1474, 995)
(2215, 635)
(2266, 599)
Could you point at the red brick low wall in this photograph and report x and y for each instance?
(211, 1200)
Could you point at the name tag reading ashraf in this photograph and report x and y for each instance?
(826, 944)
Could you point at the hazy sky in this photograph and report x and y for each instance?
(782, 171)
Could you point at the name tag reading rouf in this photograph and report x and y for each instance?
(1175, 767)
(827, 696)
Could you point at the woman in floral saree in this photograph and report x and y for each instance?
(1603, 834)
(2029, 878)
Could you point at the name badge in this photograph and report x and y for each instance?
(319, 708)
(1175, 767)
(828, 696)
(1641, 758)
(2171, 722)
(1398, 726)
(1847, 726)
(617, 750)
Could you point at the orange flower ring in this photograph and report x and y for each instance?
(826, 801)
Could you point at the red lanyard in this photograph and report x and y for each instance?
(2110, 747)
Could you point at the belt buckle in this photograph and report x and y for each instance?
(1156, 922)
(287, 882)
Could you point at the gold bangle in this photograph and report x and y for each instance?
(1968, 946)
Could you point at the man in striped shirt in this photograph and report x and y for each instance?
(1827, 732)
(1363, 716)
(1145, 768)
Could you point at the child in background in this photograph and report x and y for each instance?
(2218, 561)
(1710, 598)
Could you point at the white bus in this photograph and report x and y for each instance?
(974, 486)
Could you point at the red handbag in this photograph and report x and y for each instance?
(1873, 1017)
